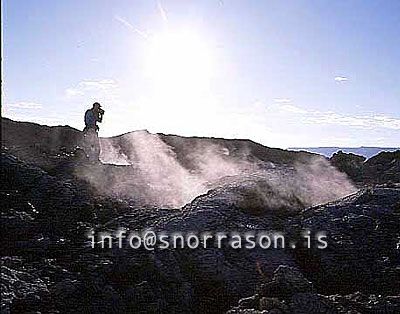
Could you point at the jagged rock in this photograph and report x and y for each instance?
(285, 282)
(64, 288)
(47, 210)
(361, 303)
(254, 196)
(362, 233)
(202, 278)
(246, 311)
(349, 163)
(250, 302)
(384, 168)
(22, 291)
(309, 303)
(273, 305)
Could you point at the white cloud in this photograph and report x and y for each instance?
(341, 79)
(285, 104)
(282, 100)
(98, 85)
(91, 86)
(24, 105)
(364, 121)
(72, 92)
(293, 109)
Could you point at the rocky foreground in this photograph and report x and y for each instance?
(49, 266)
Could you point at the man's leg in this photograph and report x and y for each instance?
(96, 147)
(86, 142)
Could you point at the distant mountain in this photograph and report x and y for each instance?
(367, 152)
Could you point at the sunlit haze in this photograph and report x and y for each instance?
(298, 73)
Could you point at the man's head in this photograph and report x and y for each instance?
(96, 106)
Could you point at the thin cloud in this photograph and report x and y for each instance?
(341, 79)
(131, 27)
(100, 84)
(91, 86)
(294, 109)
(24, 105)
(72, 92)
(282, 100)
(162, 11)
(358, 121)
(363, 121)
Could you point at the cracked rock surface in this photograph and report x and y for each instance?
(49, 266)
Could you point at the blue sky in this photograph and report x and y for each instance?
(282, 73)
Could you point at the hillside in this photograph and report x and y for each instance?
(168, 169)
(30, 140)
(53, 199)
(382, 168)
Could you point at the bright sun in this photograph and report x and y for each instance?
(179, 63)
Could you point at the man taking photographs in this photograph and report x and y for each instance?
(90, 132)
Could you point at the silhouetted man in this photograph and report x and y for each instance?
(92, 144)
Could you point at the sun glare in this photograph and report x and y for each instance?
(179, 63)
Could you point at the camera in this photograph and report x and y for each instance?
(101, 111)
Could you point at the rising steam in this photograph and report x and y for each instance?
(142, 165)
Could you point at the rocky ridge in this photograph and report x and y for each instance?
(49, 266)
